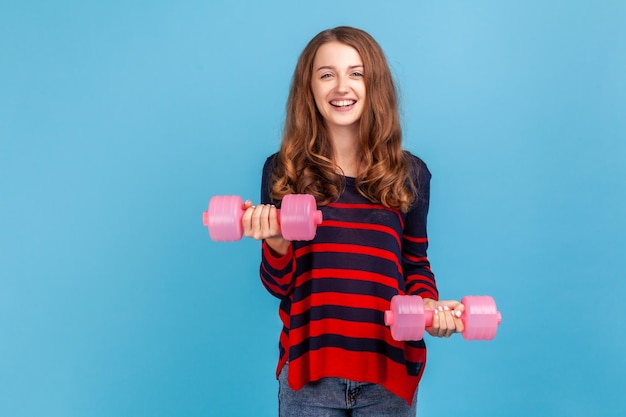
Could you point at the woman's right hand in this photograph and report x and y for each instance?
(261, 223)
(446, 317)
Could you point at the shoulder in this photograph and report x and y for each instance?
(419, 175)
(270, 163)
(418, 170)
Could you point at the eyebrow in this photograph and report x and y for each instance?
(329, 67)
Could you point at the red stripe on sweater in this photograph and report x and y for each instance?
(351, 274)
(418, 259)
(336, 326)
(339, 299)
(415, 239)
(274, 285)
(346, 248)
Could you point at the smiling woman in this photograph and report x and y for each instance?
(342, 144)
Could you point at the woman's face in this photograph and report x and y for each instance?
(338, 86)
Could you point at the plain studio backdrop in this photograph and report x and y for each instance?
(120, 119)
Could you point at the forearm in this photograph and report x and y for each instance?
(278, 245)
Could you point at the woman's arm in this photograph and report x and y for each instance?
(277, 260)
(419, 278)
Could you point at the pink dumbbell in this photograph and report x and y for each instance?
(408, 319)
(298, 217)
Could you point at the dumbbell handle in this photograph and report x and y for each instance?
(205, 217)
(317, 217)
(428, 317)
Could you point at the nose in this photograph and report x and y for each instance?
(342, 84)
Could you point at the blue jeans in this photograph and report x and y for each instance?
(336, 397)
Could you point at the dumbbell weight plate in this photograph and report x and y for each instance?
(480, 318)
(299, 217)
(406, 318)
(224, 218)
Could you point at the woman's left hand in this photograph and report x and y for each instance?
(446, 317)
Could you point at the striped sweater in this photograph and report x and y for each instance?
(335, 289)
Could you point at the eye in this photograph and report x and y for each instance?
(325, 76)
(357, 74)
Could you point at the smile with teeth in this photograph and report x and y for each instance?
(342, 103)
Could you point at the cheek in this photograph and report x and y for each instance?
(318, 95)
(320, 102)
(363, 91)
(363, 97)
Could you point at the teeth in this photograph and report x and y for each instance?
(342, 103)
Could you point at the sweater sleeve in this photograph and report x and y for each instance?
(276, 271)
(419, 279)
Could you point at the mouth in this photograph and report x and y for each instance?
(342, 103)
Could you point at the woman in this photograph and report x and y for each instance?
(342, 144)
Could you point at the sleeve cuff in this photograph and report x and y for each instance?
(276, 261)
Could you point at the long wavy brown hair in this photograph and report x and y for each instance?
(305, 161)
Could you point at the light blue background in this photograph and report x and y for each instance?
(120, 119)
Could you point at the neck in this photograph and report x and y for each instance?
(345, 143)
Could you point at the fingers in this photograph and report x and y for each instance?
(447, 319)
(451, 304)
(260, 222)
(255, 221)
(443, 322)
